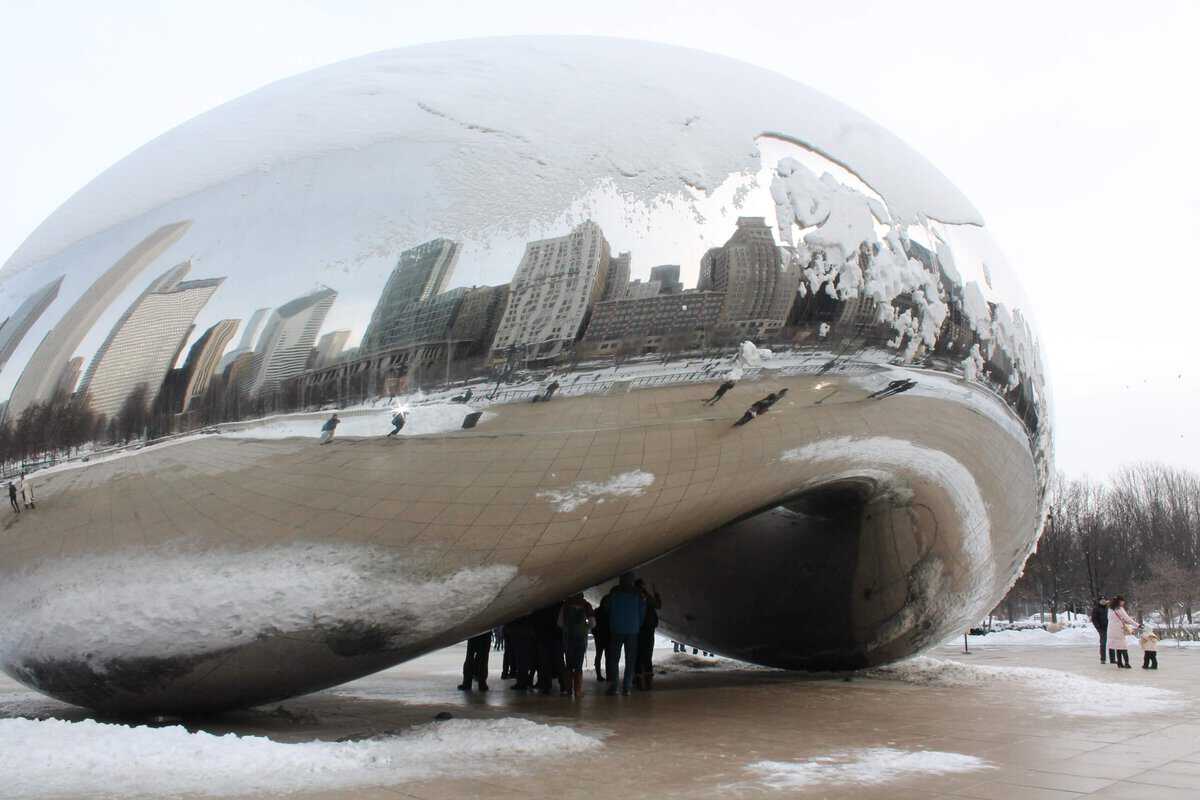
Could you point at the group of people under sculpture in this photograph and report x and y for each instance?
(1113, 623)
(551, 643)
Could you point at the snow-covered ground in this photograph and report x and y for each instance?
(52, 758)
(1058, 691)
(866, 767)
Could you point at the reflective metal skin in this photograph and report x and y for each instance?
(639, 307)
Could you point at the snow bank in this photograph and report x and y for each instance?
(1068, 637)
(867, 767)
(55, 758)
(1058, 691)
(627, 484)
(175, 603)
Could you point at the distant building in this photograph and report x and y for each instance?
(42, 371)
(552, 292)
(144, 343)
(69, 377)
(667, 276)
(635, 290)
(479, 316)
(421, 274)
(618, 277)
(655, 322)
(13, 329)
(284, 346)
(758, 281)
(249, 333)
(202, 360)
(329, 347)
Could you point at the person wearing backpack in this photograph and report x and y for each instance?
(577, 618)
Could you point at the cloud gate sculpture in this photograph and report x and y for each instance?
(641, 307)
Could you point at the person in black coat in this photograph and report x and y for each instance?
(522, 645)
(551, 664)
(644, 670)
(475, 666)
(601, 634)
(1100, 623)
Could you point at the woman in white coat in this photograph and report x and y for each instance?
(1120, 625)
(26, 489)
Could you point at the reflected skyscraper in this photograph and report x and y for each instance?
(421, 273)
(284, 346)
(667, 276)
(41, 373)
(759, 283)
(329, 347)
(13, 329)
(203, 357)
(555, 286)
(618, 276)
(69, 377)
(246, 344)
(146, 340)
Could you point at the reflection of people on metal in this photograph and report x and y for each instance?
(721, 390)
(327, 430)
(893, 388)
(464, 397)
(546, 395)
(12, 496)
(397, 423)
(26, 488)
(758, 409)
(475, 666)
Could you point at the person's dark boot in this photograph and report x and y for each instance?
(483, 687)
(464, 687)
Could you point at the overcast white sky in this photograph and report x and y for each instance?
(1072, 126)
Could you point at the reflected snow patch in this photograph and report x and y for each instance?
(627, 484)
(56, 758)
(869, 767)
(1058, 691)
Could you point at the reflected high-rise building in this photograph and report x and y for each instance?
(249, 333)
(618, 276)
(759, 282)
(13, 329)
(42, 371)
(145, 342)
(203, 358)
(284, 346)
(329, 347)
(421, 274)
(68, 377)
(552, 292)
(667, 276)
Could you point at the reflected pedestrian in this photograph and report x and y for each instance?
(721, 390)
(577, 618)
(1100, 623)
(626, 610)
(1120, 626)
(757, 409)
(26, 487)
(12, 496)
(645, 648)
(475, 666)
(398, 420)
(328, 429)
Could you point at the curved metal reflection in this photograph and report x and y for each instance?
(761, 346)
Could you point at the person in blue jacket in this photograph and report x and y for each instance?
(626, 610)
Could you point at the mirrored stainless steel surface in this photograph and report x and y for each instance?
(635, 306)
